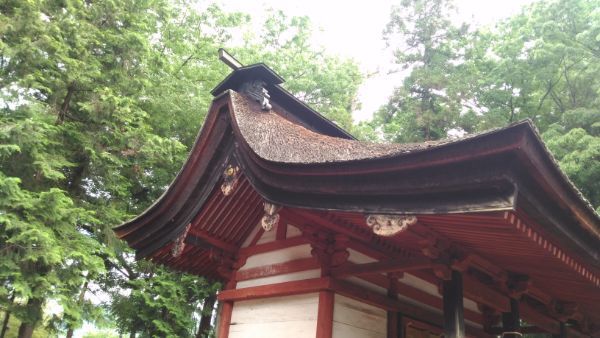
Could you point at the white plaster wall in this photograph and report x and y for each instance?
(354, 319)
(367, 285)
(267, 236)
(288, 277)
(359, 257)
(275, 317)
(292, 231)
(420, 284)
(278, 256)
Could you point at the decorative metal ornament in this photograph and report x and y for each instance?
(180, 242)
(230, 179)
(271, 217)
(389, 225)
(256, 89)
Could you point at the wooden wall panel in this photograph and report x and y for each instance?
(278, 256)
(288, 277)
(288, 317)
(359, 258)
(420, 284)
(293, 231)
(367, 285)
(267, 236)
(353, 319)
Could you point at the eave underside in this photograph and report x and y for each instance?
(495, 245)
(465, 193)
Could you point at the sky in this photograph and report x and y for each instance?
(353, 29)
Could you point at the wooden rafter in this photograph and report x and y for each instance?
(204, 240)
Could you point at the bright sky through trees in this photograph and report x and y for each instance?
(353, 29)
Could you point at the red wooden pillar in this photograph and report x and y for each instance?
(325, 315)
(225, 319)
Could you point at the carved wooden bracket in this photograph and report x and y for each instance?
(330, 250)
(230, 179)
(180, 242)
(435, 248)
(565, 310)
(271, 216)
(340, 250)
(517, 285)
(322, 249)
(225, 263)
(389, 225)
(442, 272)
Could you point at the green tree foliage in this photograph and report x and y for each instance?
(326, 83)
(101, 102)
(541, 64)
(85, 141)
(428, 45)
(160, 301)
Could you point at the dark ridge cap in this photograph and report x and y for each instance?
(556, 166)
(300, 110)
(258, 71)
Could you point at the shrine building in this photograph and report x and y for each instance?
(316, 234)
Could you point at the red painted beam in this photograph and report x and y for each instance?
(483, 294)
(276, 290)
(278, 269)
(382, 267)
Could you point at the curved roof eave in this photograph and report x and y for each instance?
(285, 182)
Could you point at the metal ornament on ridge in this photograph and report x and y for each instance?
(256, 90)
(180, 242)
(230, 179)
(271, 217)
(389, 225)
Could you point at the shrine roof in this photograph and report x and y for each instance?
(292, 156)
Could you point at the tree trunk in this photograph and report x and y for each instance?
(71, 330)
(25, 330)
(34, 308)
(7, 317)
(207, 311)
(64, 107)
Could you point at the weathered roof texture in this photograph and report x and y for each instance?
(292, 156)
(499, 193)
(274, 138)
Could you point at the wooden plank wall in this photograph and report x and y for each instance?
(276, 317)
(267, 259)
(353, 319)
